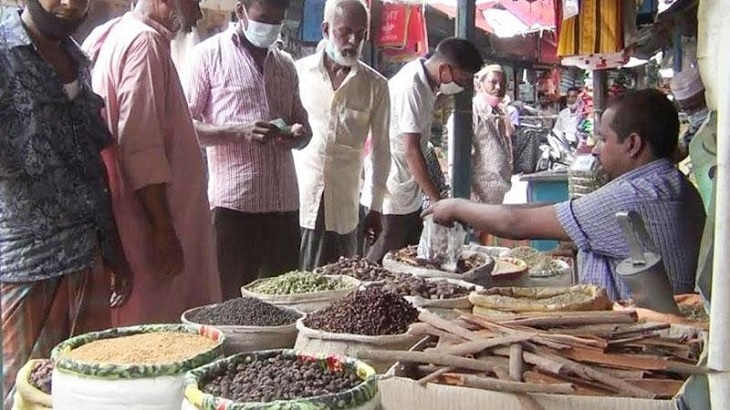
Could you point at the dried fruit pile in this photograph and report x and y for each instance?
(40, 377)
(371, 312)
(278, 378)
(243, 312)
(466, 263)
(143, 348)
(298, 282)
(358, 268)
(408, 285)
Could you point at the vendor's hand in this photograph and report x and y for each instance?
(263, 132)
(373, 226)
(445, 211)
(122, 286)
(168, 252)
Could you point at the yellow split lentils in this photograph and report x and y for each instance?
(143, 348)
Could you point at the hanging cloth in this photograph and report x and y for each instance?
(310, 29)
(598, 29)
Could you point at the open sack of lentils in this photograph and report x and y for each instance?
(140, 366)
(275, 379)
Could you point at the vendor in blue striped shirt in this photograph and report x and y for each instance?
(637, 136)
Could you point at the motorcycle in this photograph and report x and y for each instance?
(557, 152)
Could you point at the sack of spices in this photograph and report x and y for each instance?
(248, 323)
(305, 291)
(139, 367)
(33, 386)
(472, 266)
(369, 319)
(282, 379)
(541, 299)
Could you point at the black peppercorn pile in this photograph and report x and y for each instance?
(370, 312)
(406, 285)
(40, 377)
(278, 378)
(358, 268)
(243, 312)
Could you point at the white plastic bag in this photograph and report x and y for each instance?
(441, 245)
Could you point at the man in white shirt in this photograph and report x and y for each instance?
(345, 100)
(568, 118)
(413, 92)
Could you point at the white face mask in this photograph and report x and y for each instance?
(262, 35)
(336, 55)
(450, 88)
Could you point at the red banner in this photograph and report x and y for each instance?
(393, 25)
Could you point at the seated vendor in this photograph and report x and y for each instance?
(637, 137)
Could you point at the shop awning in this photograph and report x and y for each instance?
(506, 18)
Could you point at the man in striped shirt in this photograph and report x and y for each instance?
(244, 95)
(637, 138)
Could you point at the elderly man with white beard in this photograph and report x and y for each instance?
(346, 100)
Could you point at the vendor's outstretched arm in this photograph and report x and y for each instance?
(505, 221)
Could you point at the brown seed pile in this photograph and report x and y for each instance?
(244, 312)
(278, 378)
(143, 348)
(407, 285)
(358, 268)
(370, 312)
(40, 377)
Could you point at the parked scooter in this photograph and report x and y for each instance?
(557, 152)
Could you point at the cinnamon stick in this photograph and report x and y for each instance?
(503, 385)
(476, 346)
(424, 329)
(572, 320)
(443, 324)
(435, 375)
(421, 357)
(516, 362)
(623, 387)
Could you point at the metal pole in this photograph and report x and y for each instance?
(460, 142)
(600, 96)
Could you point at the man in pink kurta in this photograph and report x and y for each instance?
(157, 172)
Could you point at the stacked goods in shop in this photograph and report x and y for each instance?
(33, 386)
(137, 367)
(358, 268)
(368, 319)
(606, 354)
(472, 266)
(282, 379)
(305, 291)
(248, 324)
(509, 301)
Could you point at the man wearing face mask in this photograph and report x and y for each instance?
(58, 241)
(569, 117)
(345, 100)
(492, 144)
(157, 171)
(243, 93)
(413, 92)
